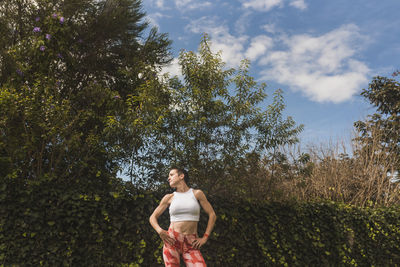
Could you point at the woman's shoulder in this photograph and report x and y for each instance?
(167, 198)
(197, 193)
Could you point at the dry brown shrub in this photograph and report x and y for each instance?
(362, 177)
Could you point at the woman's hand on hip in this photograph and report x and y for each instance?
(199, 242)
(166, 238)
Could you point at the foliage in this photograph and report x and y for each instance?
(307, 234)
(217, 119)
(70, 74)
(384, 94)
(367, 174)
(45, 223)
(82, 97)
(327, 173)
(359, 180)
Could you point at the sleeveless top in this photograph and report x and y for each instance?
(184, 207)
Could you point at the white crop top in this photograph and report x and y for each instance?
(184, 207)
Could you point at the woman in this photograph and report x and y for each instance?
(181, 237)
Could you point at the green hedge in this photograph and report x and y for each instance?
(50, 224)
(307, 234)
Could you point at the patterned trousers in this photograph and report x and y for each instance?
(182, 246)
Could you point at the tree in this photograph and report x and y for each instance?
(216, 121)
(70, 74)
(382, 129)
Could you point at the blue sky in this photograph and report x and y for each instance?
(321, 53)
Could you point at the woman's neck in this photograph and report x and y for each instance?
(182, 188)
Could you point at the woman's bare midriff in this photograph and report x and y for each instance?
(184, 227)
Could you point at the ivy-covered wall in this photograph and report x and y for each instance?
(46, 224)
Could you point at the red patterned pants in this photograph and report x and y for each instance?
(182, 246)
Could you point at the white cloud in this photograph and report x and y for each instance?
(232, 47)
(154, 17)
(267, 5)
(263, 5)
(182, 5)
(173, 69)
(258, 46)
(322, 67)
(191, 4)
(160, 4)
(243, 22)
(270, 28)
(300, 4)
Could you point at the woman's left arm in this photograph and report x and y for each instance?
(212, 217)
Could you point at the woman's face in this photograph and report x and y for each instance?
(174, 178)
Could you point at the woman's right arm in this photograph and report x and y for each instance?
(154, 219)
